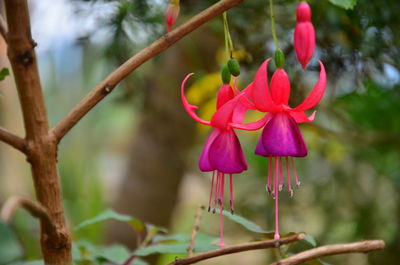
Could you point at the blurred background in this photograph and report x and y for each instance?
(137, 151)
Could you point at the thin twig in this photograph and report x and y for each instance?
(330, 250)
(3, 28)
(108, 84)
(34, 208)
(196, 227)
(12, 139)
(239, 248)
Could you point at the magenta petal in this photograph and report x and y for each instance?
(225, 153)
(204, 162)
(282, 137)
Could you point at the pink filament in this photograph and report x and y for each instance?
(276, 236)
(269, 189)
(288, 177)
(231, 193)
(221, 208)
(295, 174)
(216, 191)
(280, 174)
(211, 190)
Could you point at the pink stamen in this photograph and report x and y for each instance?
(211, 190)
(276, 236)
(231, 193)
(295, 174)
(280, 174)
(288, 177)
(216, 191)
(269, 188)
(221, 208)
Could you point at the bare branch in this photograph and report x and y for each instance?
(34, 208)
(329, 250)
(196, 227)
(239, 248)
(12, 139)
(108, 84)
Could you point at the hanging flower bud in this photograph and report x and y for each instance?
(304, 34)
(172, 13)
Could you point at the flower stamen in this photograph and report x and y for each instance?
(211, 190)
(290, 190)
(231, 202)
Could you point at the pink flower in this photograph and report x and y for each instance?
(222, 153)
(281, 138)
(304, 34)
(172, 13)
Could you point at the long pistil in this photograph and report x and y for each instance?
(221, 208)
(269, 188)
(276, 179)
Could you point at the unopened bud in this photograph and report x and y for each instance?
(172, 13)
(234, 67)
(225, 74)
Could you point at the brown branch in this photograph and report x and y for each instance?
(13, 140)
(108, 84)
(41, 148)
(3, 28)
(239, 248)
(35, 209)
(196, 227)
(330, 250)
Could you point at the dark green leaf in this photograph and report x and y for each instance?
(3, 73)
(245, 223)
(111, 215)
(346, 4)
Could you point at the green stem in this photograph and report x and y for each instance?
(271, 12)
(228, 38)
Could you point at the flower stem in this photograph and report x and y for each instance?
(271, 12)
(228, 38)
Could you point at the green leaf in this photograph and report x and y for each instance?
(172, 249)
(84, 252)
(249, 225)
(200, 238)
(346, 4)
(10, 249)
(137, 224)
(310, 239)
(3, 73)
(177, 244)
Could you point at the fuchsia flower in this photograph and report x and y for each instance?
(304, 34)
(172, 13)
(281, 138)
(222, 153)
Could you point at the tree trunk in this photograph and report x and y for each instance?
(41, 147)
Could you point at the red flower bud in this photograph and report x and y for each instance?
(304, 34)
(172, 13)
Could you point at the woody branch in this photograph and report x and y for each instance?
(108, 84)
